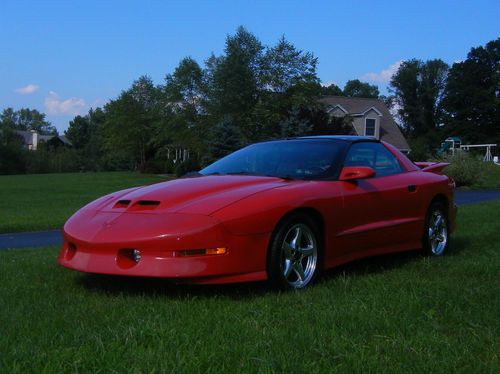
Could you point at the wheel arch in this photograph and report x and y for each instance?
(313, 213)
(440, 198)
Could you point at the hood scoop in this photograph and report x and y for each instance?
(144, 205)
(138, 205)
(121, 204)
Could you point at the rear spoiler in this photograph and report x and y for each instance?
(432, 167)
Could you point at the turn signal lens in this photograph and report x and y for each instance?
(215, 251)
(203, 252)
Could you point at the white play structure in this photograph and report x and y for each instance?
(454, 144)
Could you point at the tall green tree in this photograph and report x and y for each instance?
(356, 88)
(284, 66)
(233, 78)
(472, 96)
(186, 84)
(84, 132)
(78, 131)
(182, 123)
(129, 124)
(418, 89)
(289, 84)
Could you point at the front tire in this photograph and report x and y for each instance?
(436, 233)
(294, 253)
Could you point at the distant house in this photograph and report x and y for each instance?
(31, 139)
(370, 117)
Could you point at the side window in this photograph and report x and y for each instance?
(374, 155)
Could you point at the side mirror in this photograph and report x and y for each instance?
(351, 173)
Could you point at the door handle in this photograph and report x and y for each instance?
(412, 188)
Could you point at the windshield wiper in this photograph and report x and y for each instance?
(285, 177)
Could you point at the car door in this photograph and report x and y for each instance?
(379, 213)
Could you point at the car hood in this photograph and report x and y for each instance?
(200, 195)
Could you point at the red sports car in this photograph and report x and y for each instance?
(279, 210)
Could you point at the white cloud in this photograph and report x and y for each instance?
(73, 105)
(384, 76)
(29, 89)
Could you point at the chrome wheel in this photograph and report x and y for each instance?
(299, 255)
(437, 232)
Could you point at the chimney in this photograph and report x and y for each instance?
(34, 140)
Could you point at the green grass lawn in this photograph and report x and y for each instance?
(491, 177)
(398, 313)
(46, 201)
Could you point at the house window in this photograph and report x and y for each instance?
(370, 127)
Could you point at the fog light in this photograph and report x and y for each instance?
(136, 255)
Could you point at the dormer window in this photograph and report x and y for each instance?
(370, 126)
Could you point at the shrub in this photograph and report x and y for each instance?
(466, 169)
(187, 166)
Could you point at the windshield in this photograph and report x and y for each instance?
(297, 159)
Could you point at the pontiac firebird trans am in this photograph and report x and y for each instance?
(279, 210)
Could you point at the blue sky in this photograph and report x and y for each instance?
(61, 57)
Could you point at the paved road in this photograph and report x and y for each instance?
(472, 197)
(30, 239)
(46, 238)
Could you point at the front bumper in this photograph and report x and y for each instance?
(107, 250)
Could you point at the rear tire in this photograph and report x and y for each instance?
(436, 232)
(294, 253)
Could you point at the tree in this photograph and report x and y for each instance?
(472, 96)
(295, 125)
(78, 131)
(186, 83)
(182, 108)
(127, 131)
(325, 124)
(356, 88)
(233, 79)
(284, 66)
(226, 138)
(330, 90)
(418, 89)
(12, 154)
(27, 119)
(84, 132)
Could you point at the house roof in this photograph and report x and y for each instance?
(389, 130)
(27, 136)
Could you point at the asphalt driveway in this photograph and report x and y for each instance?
(54, 237)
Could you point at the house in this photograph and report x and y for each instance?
(370, 117)
(31, 139)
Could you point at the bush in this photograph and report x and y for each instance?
(466, 169)
(187, 166)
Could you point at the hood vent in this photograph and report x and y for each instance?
(147, 202)
(121, 204)
(145, 205)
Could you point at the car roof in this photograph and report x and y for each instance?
(346, 138)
